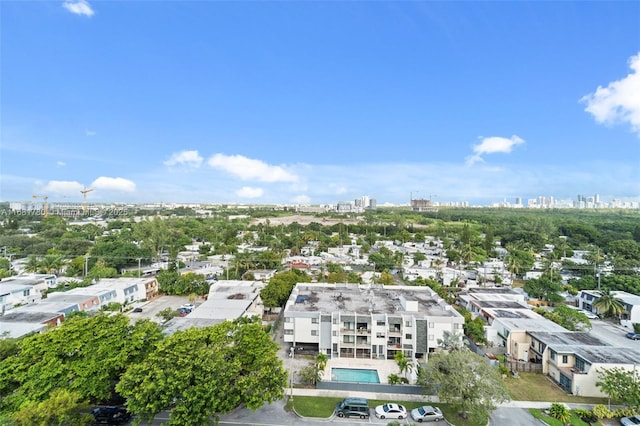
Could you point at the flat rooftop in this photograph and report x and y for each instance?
(498, 304)
(568, 338)
(28, 317)
(608, 354)
(363, 299)
(532, 324)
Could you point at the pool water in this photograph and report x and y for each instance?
(354, 375)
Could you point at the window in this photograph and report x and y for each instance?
(407, 323)
(565, 359)
(334, 333)
(314, 332)
(25, 293)
(288, 332)
(349, 339)
(379, 335)
(381, 323)
(287, 319)
(432, 337)
(552, 355)
(432, 324)
(581, 365)
(314, 320)
(408, 336)
(335, 320)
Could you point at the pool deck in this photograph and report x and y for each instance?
(383, 367)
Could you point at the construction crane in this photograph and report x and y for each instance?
(84, 199)
(45, 207)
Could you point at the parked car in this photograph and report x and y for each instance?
(391, 411)
(427, 413)
(353, 407)
(183, 312)
(633, 336)
(630, 421)
(590, 314)
(137, 310)
(111, 415)
(189, 306)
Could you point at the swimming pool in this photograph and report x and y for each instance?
(354, 375)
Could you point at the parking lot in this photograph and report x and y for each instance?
(150, 309)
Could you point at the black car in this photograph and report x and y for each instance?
(111, 415)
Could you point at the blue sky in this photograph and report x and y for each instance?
(319, 101)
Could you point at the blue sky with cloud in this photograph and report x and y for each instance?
(318, 102)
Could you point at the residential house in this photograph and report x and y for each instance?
(573, 359)
(630, 302)
(26, 320)
(129, 289)
(12, 294)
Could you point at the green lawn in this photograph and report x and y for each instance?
(537, 387)
(312, 406)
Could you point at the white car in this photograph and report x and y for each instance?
(189, 306)
(391, 411)
(590, 314)
(427, 413)
(630, 421)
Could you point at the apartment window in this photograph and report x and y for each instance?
(334, 333)
(381, 323)
(335, 320)
(288, 331)
(432, 337)
(408, 336)
(314, 320)
(380, 335)
(581, 364)
(552, 355)
(349, 339)
(25, 293)
(432, 324)
(287, 319)
(407, 323)
(565, 359)
(314, 332)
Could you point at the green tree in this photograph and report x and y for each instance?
(62, 408)
(464, 380)
(201, 372)
(608, 304)
(277, 291)
(83, 355)
(621, 385)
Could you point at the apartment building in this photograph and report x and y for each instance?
(368, 321)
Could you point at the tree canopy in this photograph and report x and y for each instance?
(201, 372)
(465, 380)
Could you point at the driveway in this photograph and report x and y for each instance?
(507, 416)
(151, 308)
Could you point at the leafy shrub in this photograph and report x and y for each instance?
(623, 412)
(602, 411)
(394, 379)
(585, 415)
(560, 412)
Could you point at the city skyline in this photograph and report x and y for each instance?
(318, 102)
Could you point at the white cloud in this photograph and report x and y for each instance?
(302, 199)
(191, 159)
(60, 163)
(80, 7)
(619, 102)
(113, 184)
(90, 133)
(248, 192)
(61, 187)
(491, 145)
(250, 169)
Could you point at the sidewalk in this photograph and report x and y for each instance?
(419, 398)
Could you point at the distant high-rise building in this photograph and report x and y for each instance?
(518, 201)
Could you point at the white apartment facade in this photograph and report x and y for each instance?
(630, 302)
(370, 322)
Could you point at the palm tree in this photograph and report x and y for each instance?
(404, 364)
(320, 364)
(608, 304)
(32, 265)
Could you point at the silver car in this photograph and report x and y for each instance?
(427, 413)
(630, 421)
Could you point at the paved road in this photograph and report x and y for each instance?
(508, 416)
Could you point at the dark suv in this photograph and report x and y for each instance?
(111, 415)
